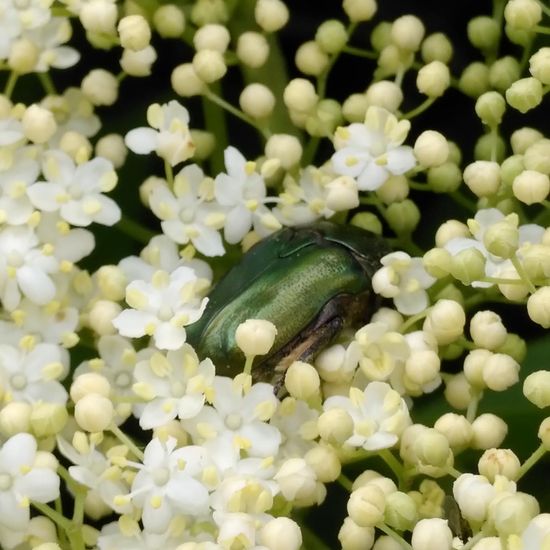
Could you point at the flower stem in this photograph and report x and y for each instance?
(412, 321)
(395, 466)
(248, 364)
(345, 482)
(169, 172)
(10, 84)
(394, 535)
(311, 540)
(522, 273)
(531, 461)
(123, 438)
(420, 109)
(134, 230)
(47, 83)
(471, 412)
(360, 52)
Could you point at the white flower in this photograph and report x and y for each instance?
(243, 192)
(379, 415)
(404, 279)
(162, 308)
(32, 376)
(25, 268)
(167, 483)
(537, 533)
(237, 420)
(21, 481)
(171, 139)
(76, 191)
(175, 384)
(187, 214)
(11, 129)
(372, 151)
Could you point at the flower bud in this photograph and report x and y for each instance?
(353, 537)
(335, 426)
(23, 56)
(297, 481)
(499, 462)
(436, 262)
(302, 381)
(489, 431)
(101, 315)
(342, 194)
(490, 107)
(544, 433)
(539, 65)
(205, 142)
(422, 369)
(458, 391)
(536, 388)
(457, 430)
(511, 513)
(368, 221)
(524, 94)
(431, 148)
(483, 32)
(407, 32)
(169, 21)
(523, 138)
(212, 37)
(355, 108)
(325, 463)
(257, 101)
(474, 79)
(111, 282)
(286, 148)
(451, 229)
(482, 177)
(403, 217)
(331, 36)
(371, 477)
(311, 59)
(113, 148)
(300, 95)
(432, 534)
(468, 266)
(48, 419)
(15, 418)
(523, 14)
(281, 533)
(89, 382)
(487, 330)
(432, 448)
(94, 412)
(473, 367)
(100, 87)
(531, 187)
(437, 47)
(504, 72)
(445, 320)
(271, 15)
(209, 11)
(433, 79)
(502, 238)
(400, 511)
(384, 93)
(500, 372)
(185, 81)
(76, 145)
(209, 65)
(394, 189)
(138, 63)
(536, 157)
(99, 16)
(134, 32)
(359, 10)
(255, 337)
(252, 49)
(38, 124)
(366, 505)
(510, 168)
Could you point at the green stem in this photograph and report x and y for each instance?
(10, 84)
(522, 273)
(463, 201)
(411, 321)
(494, 143)
(395, 466)
(215, 122)
(471, 411)
(394, 535)
(123, 438)
(545, 8)
(248, 364)
(420, 109)
(135, 230)
(541, 29)
(47, 83)
(345, 482)
(72, 530)
(531, 461)
(169, 173)
(310, 150)
(360, 52)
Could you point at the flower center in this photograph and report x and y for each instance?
(165, 313)
(18, 381)
(178, 389)
(233, 421)
(75, 191)
(5, 482)
(187, 215)
(161, 476)
(123, 380)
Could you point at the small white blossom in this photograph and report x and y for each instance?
(372, 151)
(170, 138)
(162, 308)
(379, 415)
(405, 280)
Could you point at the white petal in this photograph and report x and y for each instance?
(400, 160)
(110, 212)
(132, 323)
(39, 484)
(372, 177)
(19, 450)
(411, 303)
(155, 413)
(43, 196)
(234, 162)
(141, 140)
(209, 242)
(73, 212)
(35, 285)
(168, 336)
(237, 224)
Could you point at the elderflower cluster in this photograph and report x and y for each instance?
(413, 375)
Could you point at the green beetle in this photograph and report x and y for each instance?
(309, 281)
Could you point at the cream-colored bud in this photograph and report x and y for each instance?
(502, 238)
(343, 194)
(113, 148)
(385, 542)
(536, 388)
(403, 216)
(468, 265)
(537, 156)
(359, 10)
(451, 229)
(400, 511)
(286, 148)
(500, 372)
(185, 81)
(169, 21)
(311, 59)
(490, 108)
(89, 382)
(445, 320)
(482, 177)
(499, 462)
(94, 412)
(437, 262)
(302, 381)
(255, 337)
(512, 513)
(392, 59)
(408, 439)
(539, 65)
(38, 124)
(48, 419)
(112, 282)
(15, 418)
(99, 16)
(353, 537)
(522, 14)
(433, 79)
(432, 534)
(95, 507)
(300, 95)
(147, 187)
(366, 505)
(544, 433)
(432, 448)
(483, 32)
(523, 138)
(531, 187)
(76, 145)
(538, 306)
(134, 32)
(281, 533)
(458, 391)
(437, 47)
(394, 189)
(474, 79)
(209, 65)
(297, 481)
(212, 37)
(504, 72)
(369, 221)
(205, 142)
(371, 477)
(487, 330)
(138, 63)
(100, 87)
(252, 49)
(325, 463)
(457, 430)
(431, 148)
(407, 32)
(422, 368)
(335, 426)
(525, 94)
(209, 11)
(489, 431)
(331, 36)
(23, 56)
(385, 94)
(271, 15)
(101, 315)
(257, 101)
